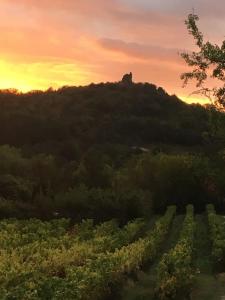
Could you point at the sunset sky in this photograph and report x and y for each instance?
(75, 42)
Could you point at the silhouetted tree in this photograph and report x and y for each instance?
(209, 61)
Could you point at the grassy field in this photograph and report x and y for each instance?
(171, 256)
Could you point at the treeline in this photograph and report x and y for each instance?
(107, 151)
(43, 186)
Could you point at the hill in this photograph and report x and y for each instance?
(107, 150)
(134, 115)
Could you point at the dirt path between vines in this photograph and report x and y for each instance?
(143, 287)
(208, 285)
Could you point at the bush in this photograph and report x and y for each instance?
(171, 179)
(15, 188)
(16, 209)
(102, 204)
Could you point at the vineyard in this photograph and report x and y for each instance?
(172, 256)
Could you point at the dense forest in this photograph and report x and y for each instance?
(107, 151)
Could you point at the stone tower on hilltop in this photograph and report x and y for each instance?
(127, 79)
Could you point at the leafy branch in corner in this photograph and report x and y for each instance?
(208, 62)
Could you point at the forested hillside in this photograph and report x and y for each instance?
(135, 115)
(107, 151)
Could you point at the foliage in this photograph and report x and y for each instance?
(103, 203)
(209, 61)
(170, 179)
(45, 260)
(106, 151)
(175, 271)
(144, 183)
(70, 121)
(217, 234)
